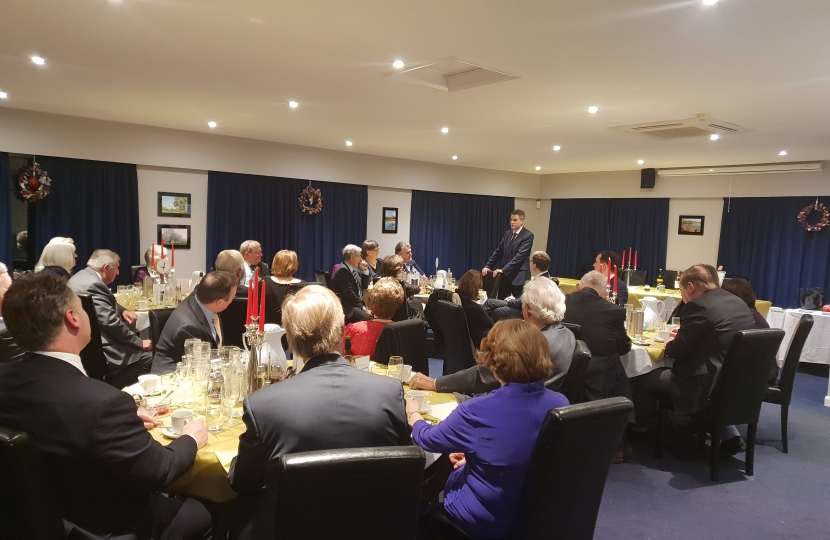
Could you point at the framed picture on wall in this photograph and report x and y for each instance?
(692, 225)
(173, 204)
(178, 235)
(390, 220)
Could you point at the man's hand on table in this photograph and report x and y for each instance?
(149, 421)
(129, 317)
(198, 431)
(419, 381)
(458, 460)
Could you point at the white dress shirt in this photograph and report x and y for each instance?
(69, 358)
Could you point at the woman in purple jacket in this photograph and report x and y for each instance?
(490, 438)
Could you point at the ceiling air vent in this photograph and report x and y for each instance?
(452, 74)
(701, 125)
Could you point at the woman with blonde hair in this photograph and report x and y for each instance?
(281, 283)
(58, 257)
(383, 301)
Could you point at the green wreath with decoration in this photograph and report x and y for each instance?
(311, 201)
(807, 211)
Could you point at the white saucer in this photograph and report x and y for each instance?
(168, 432)
(151, 394)
(426, 409)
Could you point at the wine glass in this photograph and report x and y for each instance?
(394, 365)
(231, 391)
(185, 378)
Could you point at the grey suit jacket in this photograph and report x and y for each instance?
(187, 321)
(328, 405)
(122, 346)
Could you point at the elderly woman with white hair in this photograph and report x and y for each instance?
(543, 305)
(58, 257)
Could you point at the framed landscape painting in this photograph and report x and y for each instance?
(173, 204)
(390, 220)
(178, 235)
(691, 225)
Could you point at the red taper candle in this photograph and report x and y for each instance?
(635, 259)
(250, 302)
(622, 263)
(152, 255)
(609, 271)
(262, 309)
(172, 255)
(162, 248)
(615, 279)
(629, 256)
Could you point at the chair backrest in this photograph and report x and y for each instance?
(669, 277)
(742, 381)
(407, 339)
(566, 477)
(573, 387)
(491, 284)
(575, 328)
(366, 493)
(233, 322)
(802, 332)
(324, 278)
(92, 357)
(638, 277)
(158, 318)
(459, 351)
(133, 271)
(430, 313)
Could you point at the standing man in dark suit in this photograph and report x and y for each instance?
(350, 280)
(128, 356)
(252, 253)
(196, 317)
(104, 469)
(511, 257)
(601, 266)
(511, 308)
(711, 318)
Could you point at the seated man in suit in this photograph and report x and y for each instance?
(252, 253)
(711, 318)
(196, 317)
(231, 261)
(128, 356)
(511, 308)
(327, 405)
(104, 469)
(404, 250)
(543, 307)
(601, 266)
(349, 282)
(511, 257)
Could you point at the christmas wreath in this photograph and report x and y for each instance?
(311, 201)
(34, 183)
(805, 214)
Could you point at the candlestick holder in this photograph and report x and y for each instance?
(253, 340)
(628, 277)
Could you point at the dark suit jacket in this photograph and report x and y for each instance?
(345, 287)
(328, 405)
(478, 322)
(706, 330)
(8, 347)
(603, 330)
(514, 261)
(263, 269)
(516, 303)
(187, 321)
(101, 461)
(122, 345)
(241, 291)
(622, 293)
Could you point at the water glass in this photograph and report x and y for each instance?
(184, 377)
(675, 322)
(214, 409)
(394, 366)
(189, 344)
(231, 392)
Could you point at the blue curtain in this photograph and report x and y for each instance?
(5, 211)
(762, 241)
(93, 202)
(266, 209)
(581, 228)
(462, 231)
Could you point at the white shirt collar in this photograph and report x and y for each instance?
(520, 230)
(69, 358)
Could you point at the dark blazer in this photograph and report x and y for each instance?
(102, 463)
(412, 265)
(622, 293)
(603, 330)
(9, 349)
(275, 294)
(478, 322)
(516, 303)
(187, 321)
(706, 330)
(241, 291)
(345, 287)
(514, 261)
(122, 345)
(328, 405)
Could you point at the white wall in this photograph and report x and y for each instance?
(685, 250)
(537, 220)
(394, 198)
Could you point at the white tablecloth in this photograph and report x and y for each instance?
(817, 347)
(637, 362)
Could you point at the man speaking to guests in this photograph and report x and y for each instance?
(511, 257)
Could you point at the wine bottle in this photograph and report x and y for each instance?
(349, 356)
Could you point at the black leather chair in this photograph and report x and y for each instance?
(366, 493)
(459, 352)
(92, 357)
(491, 284)
(133, 271)
(566, 477)
(781, 392)
(158, 318)
(324, 278)
(573, 387)
(407, 339)
(738, 392)
(233, 322)
(637, 277)
(669, 277)
(575, 328)
(430, 311)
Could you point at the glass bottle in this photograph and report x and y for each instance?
(660, 286)
(349, 356)
(677, 281)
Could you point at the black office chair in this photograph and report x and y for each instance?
(324, 278)
(366, 493)
(459, 349)
(637, 277)
(573, 385)
(491, 284)
(133, 271)
(566, 476)
(781, 392)
(158, 318)
(669, 277)
(233, 321)
(575, 328)
(92, 356)
(738, 393)
(430, 311)
(407, 339)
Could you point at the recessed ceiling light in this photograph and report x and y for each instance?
(710, 2)
(711, 170)
(445, 130)
(3, 95)
(38, 60)
(397, 64)
(714, 137)
(557, 148)
(538, 168)
(348, 143)
(293, 104)
(640, 162)
(455, 157)
(593, 109)
(211, 124)
(782, 153)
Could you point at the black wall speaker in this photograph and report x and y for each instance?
(647, 178)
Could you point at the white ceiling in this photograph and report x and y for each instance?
(762, 64)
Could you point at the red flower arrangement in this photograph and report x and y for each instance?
(808, 211)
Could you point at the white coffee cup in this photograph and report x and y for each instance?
(417, 395)
(405, 372)
(664, 334)
(149, 383)
(142, 305)
(179, 419)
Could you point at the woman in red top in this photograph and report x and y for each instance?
(383, 300)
